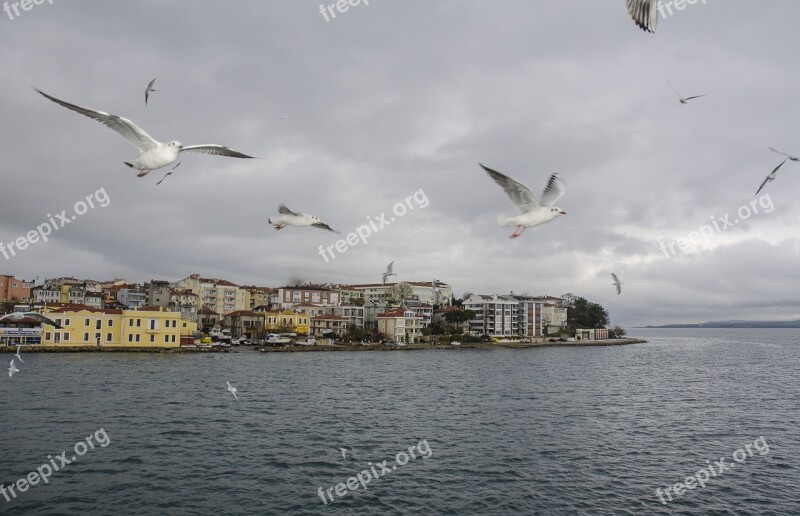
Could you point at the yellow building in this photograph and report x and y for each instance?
(150, 326)
(287, 321)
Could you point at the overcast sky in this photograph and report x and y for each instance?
(353, 115)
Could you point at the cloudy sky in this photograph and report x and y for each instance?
(351, 116)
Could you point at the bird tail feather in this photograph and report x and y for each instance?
(504, 220)
(128, 163)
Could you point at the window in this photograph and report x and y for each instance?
(110, 323)
(138, 323)
(173, 338)
(152, 338)
(58, 338)
(85, 337)
(137, 337)
(108, 337)
(86, 322)
(130, 322)
(130, 337)
(97, 337)
(153, 324)
(47, 336)
(98, 324)
(66, 322)
(166, 338)
(66, 335)
(58, 322)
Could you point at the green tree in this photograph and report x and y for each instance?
(459, 316)
(582, 313)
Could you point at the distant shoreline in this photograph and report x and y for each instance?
(291, 349)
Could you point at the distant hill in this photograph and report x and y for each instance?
(735, 324)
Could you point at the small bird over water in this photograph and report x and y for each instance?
(149, 90)
(644, 13)
(169, 173)
(17, 355)
(12, 369)
(770, 176)
(153, 154)
(232, 390)
(791, 158)
(293, 218)
(534, 212)
(389, 272)
(685, 100)
(617, 283)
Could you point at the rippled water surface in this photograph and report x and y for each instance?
(538, 431)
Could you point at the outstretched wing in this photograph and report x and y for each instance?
(322, 225)
(696, 96)
(644, 13)
(553, 191)
(390, 267)
(130, 131)
(283, 210)
(217, 150)
(520, 195)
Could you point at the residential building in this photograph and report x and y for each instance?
(326, 324)
(354, 315)
(94, 300)
(208, 319)
(247, 323)
(420, 290)
(401, 325)
(132, 298)
(158, 293)
(46, 294)
(13, 289)
(288, 321)
(219, 295)
(185, 302)
(288, 297)
(496, 316)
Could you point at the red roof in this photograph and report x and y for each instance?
(83, 308)
(244, 313)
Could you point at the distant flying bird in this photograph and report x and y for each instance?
(12, 369)
(149, 90)
(232, 390)
(681, 98)
(169, 173)
(770, 176)
(534, 212)
(617, 283)
(17, 355)
(644, 13)
(389, 272)
(18, 317)
(153, 154)
(792, 158)
(344, 452)
(293, 218)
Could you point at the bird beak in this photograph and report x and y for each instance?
(562, 212)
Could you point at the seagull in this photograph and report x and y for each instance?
(17, 355)
(12, 369)
(770, 177)
(21, 316)
(685, 100)
(644, 13)
(792, 158)
(293, 218)
(149, 90)
(153, 154)
(533, 213)
(617, 283)
(169, 173)
(344, 452)
(389, 269)
(232, 390)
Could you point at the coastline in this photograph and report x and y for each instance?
(338, 347)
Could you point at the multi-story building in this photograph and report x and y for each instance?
(311, 309)
(423, 291)
(288, 321)
(326, 324)
(401, 325)
(13, 289)
(94, 300)
(46, 294)
(132, 297)
(354, 314)
(185, 302)
(288, 297)
(261, 297)
(158, 293)
(208, 319)
(246, 323)
(219, 295)
(495, 315)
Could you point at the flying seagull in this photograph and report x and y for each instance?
(682, 99)
(792, 158)
(534, 212)
(169, 173)
(644, 13)
(617, 283)
(30, 316)
(153, 154)
(17, 355)
(293, 218)
(389, 269)
(149, 90)
(770, 176)
(232, 390)
(344, 452)
(12, 369)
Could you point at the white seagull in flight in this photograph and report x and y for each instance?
(344, 452)
(770, 176)
(153, 154)
(792, 158)
(293, 218)
(389, 272)
(17, 355)
(31, 316)
(232, 390)
(617, 283)
(534, 212)
(685, 100)
(644, 13)
(12, 369)
(149, 90)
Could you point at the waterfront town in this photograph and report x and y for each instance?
(187, 312)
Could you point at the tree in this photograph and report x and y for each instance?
(582, 313)
(459, 316)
